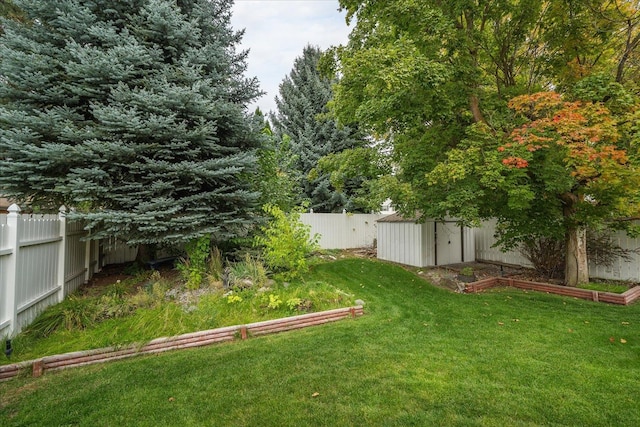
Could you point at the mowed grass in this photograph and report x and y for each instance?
(420, 356)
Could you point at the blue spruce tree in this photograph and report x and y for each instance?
(303, 116)
(131, 112)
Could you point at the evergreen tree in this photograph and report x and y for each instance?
(303, 116)
(133, 113)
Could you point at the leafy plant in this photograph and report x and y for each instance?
(274, 302)
(286, 242)
(194, 267)
(466, 271)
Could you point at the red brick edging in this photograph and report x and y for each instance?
(625, 298)
(194, 339)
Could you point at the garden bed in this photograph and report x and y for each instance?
(625, 298)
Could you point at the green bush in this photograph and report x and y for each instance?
(286, 243)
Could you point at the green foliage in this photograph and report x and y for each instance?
(308, 133)
(133, 113)
(616, 288)
(286, 242)
(194, 268)
(274, 302)
(155, 306)
(72, 313)
(276, 179)
(366, 165)
(215, 265)
(435, 80)
(249, 272)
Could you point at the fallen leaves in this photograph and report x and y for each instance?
(316, 394)
(622, 340)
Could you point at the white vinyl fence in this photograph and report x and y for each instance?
(43, 258)
(620, 270)
(343, 230)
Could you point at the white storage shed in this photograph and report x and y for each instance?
(427, 243)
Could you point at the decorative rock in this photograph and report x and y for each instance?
(359, 302)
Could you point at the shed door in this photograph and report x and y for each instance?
(448, 243)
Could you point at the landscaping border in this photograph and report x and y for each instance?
(625, 298)
(190, 340)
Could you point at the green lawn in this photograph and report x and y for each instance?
(420, 356)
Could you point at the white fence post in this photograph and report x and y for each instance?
(87, 260)
(62, 252)
(13, 240)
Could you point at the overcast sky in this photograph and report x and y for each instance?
(276, 31)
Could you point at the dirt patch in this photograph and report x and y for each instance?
(447, 276)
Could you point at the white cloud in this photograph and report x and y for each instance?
(276, 31)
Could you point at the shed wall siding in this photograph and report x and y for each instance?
(401, 242)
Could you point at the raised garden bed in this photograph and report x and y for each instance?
(195, 339)
(625, 298)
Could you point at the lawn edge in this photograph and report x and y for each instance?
(189, 340)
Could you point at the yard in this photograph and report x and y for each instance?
(421, 355)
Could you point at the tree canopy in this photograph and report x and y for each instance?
(518, 110)
(302, 119)
(132, 113)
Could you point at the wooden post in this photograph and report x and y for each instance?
(62, 252)
(37, 368)
(13, 240)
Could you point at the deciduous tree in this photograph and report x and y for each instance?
(441, 81)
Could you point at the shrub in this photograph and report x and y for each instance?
(286, 242)
(547, 254)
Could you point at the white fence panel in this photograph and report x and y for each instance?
(484, 237)
(621, 269)
(343, 230)
(37, 266)
(5, 252)
(116, 252)
(42, 259)
(76, 267)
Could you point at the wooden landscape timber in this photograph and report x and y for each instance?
(190, 340)
(625, 298)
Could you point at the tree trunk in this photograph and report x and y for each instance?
(146, 253)
(576, 270)
(474, 104)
